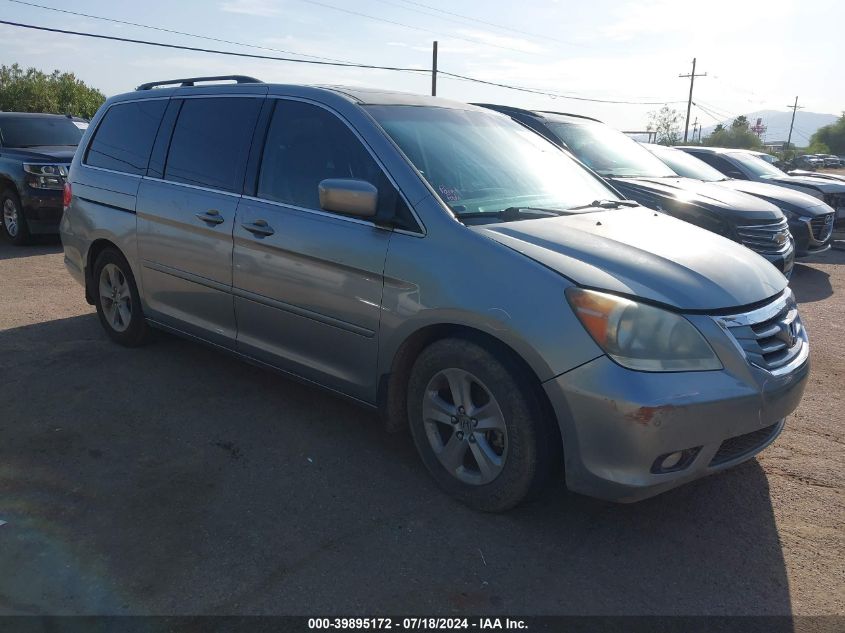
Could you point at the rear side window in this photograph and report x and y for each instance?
(125, 136)
(716, 161)
(211, 140)
(307, 144)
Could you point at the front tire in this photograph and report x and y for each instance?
(13, 221)
(479, 426)
(117, 300)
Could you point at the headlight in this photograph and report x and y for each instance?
(44, 176)
(639, 336)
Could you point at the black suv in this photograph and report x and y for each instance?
(640, 176)
(35, 154)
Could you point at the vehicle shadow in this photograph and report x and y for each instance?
(172, 479)
(41, 245)
(810, 284)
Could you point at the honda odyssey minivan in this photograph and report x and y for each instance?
(443, 265)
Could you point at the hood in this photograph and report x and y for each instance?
(640, 253)
(825, 185)
(813, 174)
(676, 193)
(793, 200)
(42, 153)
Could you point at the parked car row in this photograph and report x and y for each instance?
(761, 215)
(490, 290)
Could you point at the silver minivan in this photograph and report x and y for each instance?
(444, 265)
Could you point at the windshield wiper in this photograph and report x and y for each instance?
(608, 204)
(510, 213)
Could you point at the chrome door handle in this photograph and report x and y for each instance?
(259, 227)
(212, 216)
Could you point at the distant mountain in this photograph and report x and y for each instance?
(777, 125)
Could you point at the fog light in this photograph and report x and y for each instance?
(673, 462)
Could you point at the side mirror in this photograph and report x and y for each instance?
(348, 195)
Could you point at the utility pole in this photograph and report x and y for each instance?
(434, 69)
(795, 107)
(692, 77)
(694, 126)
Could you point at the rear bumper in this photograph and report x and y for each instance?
(617, 423)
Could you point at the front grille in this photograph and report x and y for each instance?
(822, 227)
(771, 239)
(735, 447)
(770, 337)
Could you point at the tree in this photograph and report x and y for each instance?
(738, 135)
(833, 136)
(665, 123)
(31, 90)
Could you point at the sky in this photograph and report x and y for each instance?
(757, 54)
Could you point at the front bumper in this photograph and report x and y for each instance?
(784, 262)
(617, 423)
(806, 237)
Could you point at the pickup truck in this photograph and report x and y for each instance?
(35, 154)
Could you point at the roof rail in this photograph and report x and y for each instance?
(578, 116)
(190, 81)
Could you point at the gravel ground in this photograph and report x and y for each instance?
(176, 480)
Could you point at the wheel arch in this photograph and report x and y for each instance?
(97, 247)
(393, 384)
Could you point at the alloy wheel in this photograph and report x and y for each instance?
(115, 297)
(10, 217)
(465, 426)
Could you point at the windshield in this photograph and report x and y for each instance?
(686, 165)
(757, 166)
(483, 162)
(608, 151)
(33, 131)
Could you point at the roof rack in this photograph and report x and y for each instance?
(190, 81)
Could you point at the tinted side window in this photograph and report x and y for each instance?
(306, 144)
(125, 136)
(210, 142)
(716, 161)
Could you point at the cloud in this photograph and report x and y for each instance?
(674, 17)
(503, 41)
(263, 8)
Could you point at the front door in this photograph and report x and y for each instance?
(308, 283)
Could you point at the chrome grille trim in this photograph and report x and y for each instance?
(821, 227)
(772, 337)
(766, 238)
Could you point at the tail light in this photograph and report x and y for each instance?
(66, 195)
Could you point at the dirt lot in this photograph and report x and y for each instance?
(173, 479)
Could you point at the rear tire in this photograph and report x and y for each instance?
(12, 220)
(479, 425)
(117, 300)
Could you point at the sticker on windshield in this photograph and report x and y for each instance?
(450, 193)
(82, 125)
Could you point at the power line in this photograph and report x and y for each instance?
(211, 50)
(417, 28)
(164, 30)
(342, 64)
(706, 111)
(556, 95)
(476, 20)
